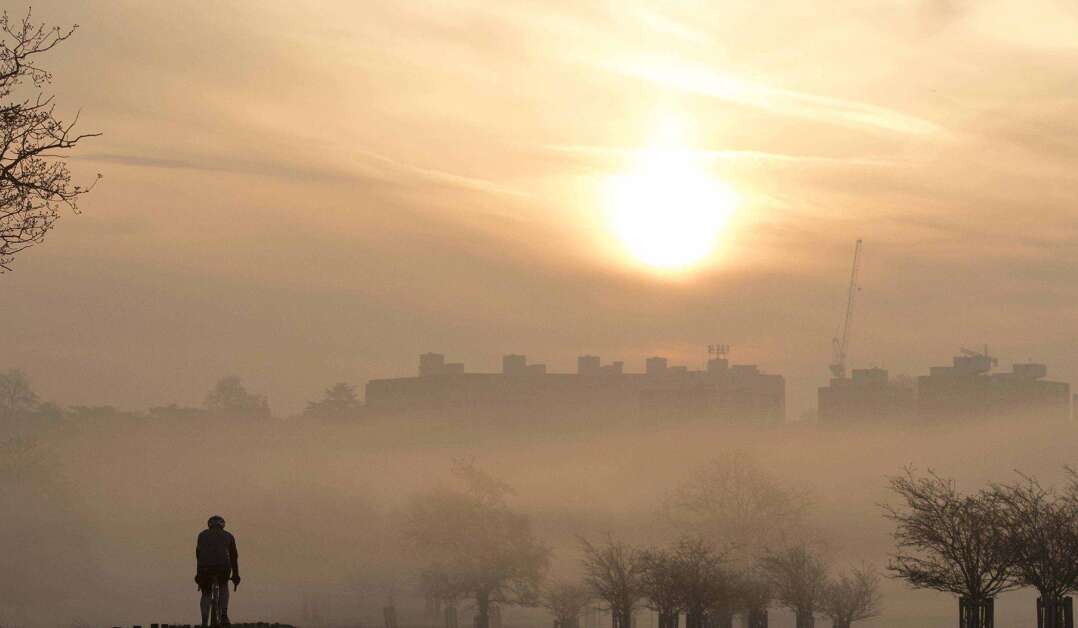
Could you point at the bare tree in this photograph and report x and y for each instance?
(1040, 529)
(798, 579)
(439, 591)
(614, 572)
(852, 597)
(475, 545)
(951, 542)
(734, 500)
(566, 601)
(35, 183)
(662, 586)
(707, 586)
(754, 594)
(16, 394)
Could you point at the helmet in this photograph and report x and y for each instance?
(216, 520)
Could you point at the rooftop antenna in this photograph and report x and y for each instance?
(839, 344)
(718, 351)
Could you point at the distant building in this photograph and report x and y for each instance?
(514, 365)
(737, 393)
(868, 396)
(431, 364)
(965, 391)
(435, 364)
(734, 393)
(655, 366)
(587, 365)
(968, 391)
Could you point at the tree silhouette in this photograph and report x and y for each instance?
(16, 394)
(951, 542)
(229, 397)
(340, 402)
(754, 595)
(852, 597)
(439, 590)
(661, 586)
(35, 183)
(798, 579)
(566, 601)
(475, 546)
(734, 500)
(707, 586)
(614, 572)
(1040, 530)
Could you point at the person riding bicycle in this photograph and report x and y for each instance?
(218, 561)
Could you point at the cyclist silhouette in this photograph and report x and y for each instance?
(218, 561)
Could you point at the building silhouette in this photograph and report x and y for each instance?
(597, 391)
(966, 390)
(869, 395)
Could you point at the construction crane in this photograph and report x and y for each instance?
(980, 361)
(839, 344)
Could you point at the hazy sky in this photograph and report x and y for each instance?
(307, 193)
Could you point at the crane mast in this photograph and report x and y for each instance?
(840, 343)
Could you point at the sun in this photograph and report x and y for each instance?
(668, 211)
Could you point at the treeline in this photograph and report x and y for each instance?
(978, 545)
(735, 550)
(708, 587)
(22, 410)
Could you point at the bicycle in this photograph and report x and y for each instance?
(214, 615)
(215, 602)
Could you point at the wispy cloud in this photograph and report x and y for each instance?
(439, 176)
(667, 25)
(370, 166)
(615, 152)
(697, 78)
(211, 163)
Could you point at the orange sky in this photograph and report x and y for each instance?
(302, 195)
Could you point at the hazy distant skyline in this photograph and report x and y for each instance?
(305, 195)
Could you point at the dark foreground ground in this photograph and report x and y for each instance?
(260, 624)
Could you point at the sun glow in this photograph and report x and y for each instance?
(668, 211)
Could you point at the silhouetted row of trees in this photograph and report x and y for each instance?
(978, 545)
(975, 546)
(474, 548)
(693, 579)
(21, 409)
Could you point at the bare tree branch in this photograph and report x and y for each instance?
(735, 500)
(475, 546)
(949, 541)
(798, 579)
(1040, 529)
(614, 572)
(852, 597)
(566, 601)
(35, 183)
